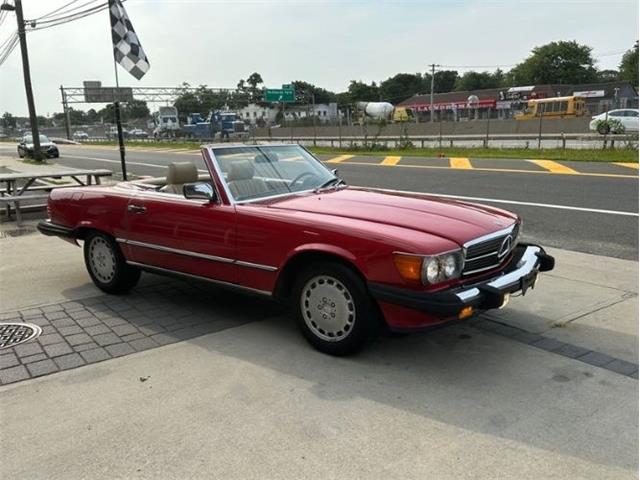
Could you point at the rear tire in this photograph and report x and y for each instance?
(107, 266)
(334, 310)
(603, 128)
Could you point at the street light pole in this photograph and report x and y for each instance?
(33, 119)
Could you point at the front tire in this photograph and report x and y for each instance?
(334, 310)
(107, 266)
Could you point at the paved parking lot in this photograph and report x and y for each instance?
(180, 380)
(91, 330)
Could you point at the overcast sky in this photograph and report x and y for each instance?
(324, 42)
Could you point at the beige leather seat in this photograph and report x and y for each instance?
(178, 174)
(241, 182)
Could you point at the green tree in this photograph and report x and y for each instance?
(400, 87)
(200, 100)
(76, 117)
(8, 120)
(255, 93)
(444, 81)
(304, 90)
(480, 80)
(629, 66)
(361, 92)
(92, 116)
(136, 109)
(556, 62)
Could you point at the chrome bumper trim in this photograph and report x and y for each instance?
(527, 264)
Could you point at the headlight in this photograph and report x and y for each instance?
(450, 265)
(430, 269)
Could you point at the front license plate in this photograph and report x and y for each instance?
(528, 281)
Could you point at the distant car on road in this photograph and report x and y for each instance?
(628, 118)
(25, 147)
(112, 133)
(138, 133)
(80, 135)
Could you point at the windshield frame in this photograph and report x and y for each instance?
(233, 201)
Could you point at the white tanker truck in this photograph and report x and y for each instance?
(384, 111)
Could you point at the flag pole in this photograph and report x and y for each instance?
(116, 107)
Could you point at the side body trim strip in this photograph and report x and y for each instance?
(189, 253)
(152, 268)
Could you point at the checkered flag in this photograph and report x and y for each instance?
(127, 50)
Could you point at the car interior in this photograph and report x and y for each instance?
(248, 174)
(178, 173)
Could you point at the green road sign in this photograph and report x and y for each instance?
(288, 86)
(279, 95)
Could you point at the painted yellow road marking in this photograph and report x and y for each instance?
(341, 158)
(505, 170)
(391, 160)
(460, 162)
(628, 165)
(554, 167)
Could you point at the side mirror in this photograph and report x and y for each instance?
(335, 172)
(199, 191)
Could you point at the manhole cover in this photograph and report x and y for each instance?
(12, 334)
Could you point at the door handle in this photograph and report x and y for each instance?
(136, 208)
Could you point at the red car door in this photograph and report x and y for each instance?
(182, 235)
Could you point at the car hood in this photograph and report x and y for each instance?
(42, 145)
(454, 220)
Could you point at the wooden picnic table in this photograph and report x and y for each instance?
(13, 192)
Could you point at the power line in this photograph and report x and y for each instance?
(8, 46)
(56, 10)
(478, 66)
(69, 18)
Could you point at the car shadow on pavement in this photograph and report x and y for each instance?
(461, 376)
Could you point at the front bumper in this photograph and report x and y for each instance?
(50, 152)
(519, 274)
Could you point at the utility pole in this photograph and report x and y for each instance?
(33, 119)
(433, 76)
(65, 108)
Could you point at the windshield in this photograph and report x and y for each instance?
(29, 139)
(258, 172)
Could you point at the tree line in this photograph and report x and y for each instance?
(563, 62)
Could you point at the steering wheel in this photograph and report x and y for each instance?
(301, 176)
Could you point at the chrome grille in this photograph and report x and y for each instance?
(482, 253)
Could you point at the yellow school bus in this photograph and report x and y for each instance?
(556, 107)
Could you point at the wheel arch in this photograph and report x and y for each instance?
(307, 255)
(83, 229)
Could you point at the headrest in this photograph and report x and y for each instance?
(240, 170)
(181, 172)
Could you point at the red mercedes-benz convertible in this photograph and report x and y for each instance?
(273, 220)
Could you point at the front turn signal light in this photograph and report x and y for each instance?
(409, 266)
(466, 312)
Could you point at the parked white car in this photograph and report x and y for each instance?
(80, 135)
(628, 118)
